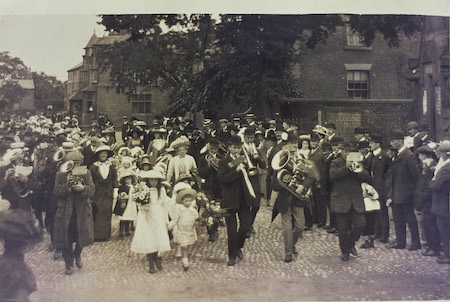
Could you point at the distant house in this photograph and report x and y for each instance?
(352, 85)
(21, 100)
(91, 93)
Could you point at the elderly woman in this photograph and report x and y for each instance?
(105, 180)
(73, 222)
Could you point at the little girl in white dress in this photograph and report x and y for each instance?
(184, 218)
(151, 234)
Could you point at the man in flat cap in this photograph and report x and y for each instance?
(402, 177)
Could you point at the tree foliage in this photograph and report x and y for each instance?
(47, 87)
(239, 59)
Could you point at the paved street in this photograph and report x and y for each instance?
(112, 273)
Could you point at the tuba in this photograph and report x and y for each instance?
(292, 173)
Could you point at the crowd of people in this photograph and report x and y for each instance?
(166, 179)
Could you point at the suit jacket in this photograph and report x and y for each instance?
(402, 177)
(210, 175)
(440, 188)
(347, 192)
(379, 166)
(232, 185)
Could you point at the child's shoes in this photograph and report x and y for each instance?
(185, 263)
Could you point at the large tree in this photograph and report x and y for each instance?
(241, 59)
(11, 70)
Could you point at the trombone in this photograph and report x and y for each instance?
(252, 170)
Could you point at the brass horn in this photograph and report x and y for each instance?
(12, 155)
(67, 166)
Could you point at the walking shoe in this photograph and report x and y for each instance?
(430, 253)
(185, 263)
(294, 251)
(57, 254)
(414, 247)
(288, 258)
(331, 230)
(367, 244)
(443, 260)
(78, 262)
(345, 257)
(69, 270)
(397, 246)
(159, 263)
(231, 262)
(151, 267)
(384, 240)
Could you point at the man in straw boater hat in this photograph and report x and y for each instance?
(105, 179)
(235, 186)
(403, 175)
(74, 219)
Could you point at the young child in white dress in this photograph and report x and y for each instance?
(126, 206)
(151, 234)
(184, 218)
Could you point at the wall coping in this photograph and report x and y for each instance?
(304, 100)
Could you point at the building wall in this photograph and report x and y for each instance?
(27, 102)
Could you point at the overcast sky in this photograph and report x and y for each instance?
(49, 35)
(52, 44)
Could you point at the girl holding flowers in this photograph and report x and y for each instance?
(151, 234)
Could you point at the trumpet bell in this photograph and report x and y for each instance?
(67, 166)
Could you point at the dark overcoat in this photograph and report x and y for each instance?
(232, 185)
(69, 201)
(379, 165)
(346, 192)
(402, 177)
(210, 175)
(103, 200)
(440, 188)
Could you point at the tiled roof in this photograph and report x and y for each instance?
(76, 66)
(92, 41)
(111, 39)
(24, 83)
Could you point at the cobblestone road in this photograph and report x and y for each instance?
(112, 273)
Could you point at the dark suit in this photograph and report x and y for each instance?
(319, 190)
(440, 187)
(347, 203)
(402, 177)
(378, 167)
(234, 199)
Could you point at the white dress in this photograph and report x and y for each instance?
(130, 212)
(184, 220)
(151, 234)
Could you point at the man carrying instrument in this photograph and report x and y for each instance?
(254, 161)
(235, 186)
(207, 168)
(290, 206)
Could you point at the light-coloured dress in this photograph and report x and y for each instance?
(130, 212)
(184, 220)
(151, 233)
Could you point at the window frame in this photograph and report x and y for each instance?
(141, 103)
(361, 87)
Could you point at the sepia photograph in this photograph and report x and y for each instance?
(241, 151)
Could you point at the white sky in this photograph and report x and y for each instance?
(49, 35)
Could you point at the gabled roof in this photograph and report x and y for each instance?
(78, 95)
(92, 41)
(24, 83)
(112, 38)
(90, 88)
(76, 67)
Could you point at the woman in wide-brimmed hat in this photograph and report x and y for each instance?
(182, 162)
(151, 235)
(105, 180)
(135, 139)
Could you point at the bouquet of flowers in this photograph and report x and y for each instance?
(211, 215)
(123, 199)
(141, 194)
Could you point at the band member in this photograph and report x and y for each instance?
(234, 191)
(347, 201)
(223, 134)
(319, 189)
(402, 176)
(197, 143)
(291, 207)
(271, 142)
(74, 219)
(255, 162)
(105, 180)
(359, 134)
(207, 168)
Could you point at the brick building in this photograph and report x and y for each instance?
(430, 71)
(352, 85)
(90, 92)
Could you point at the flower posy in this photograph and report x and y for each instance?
(141, 194)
